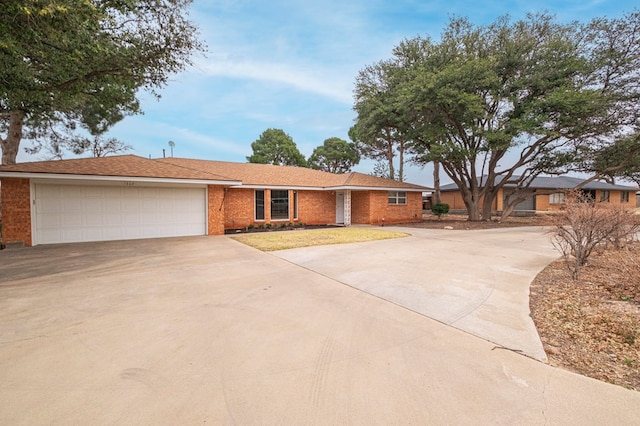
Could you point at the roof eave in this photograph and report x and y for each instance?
(376, 188)
(63, 176)
(267, 186)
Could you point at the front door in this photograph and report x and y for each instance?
(340, 207)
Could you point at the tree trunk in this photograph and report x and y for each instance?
(473, 210)
(472, 204)
(487, 206)
(392, 171)
(11, 144)
(401, 162)
(506, 211)
(436, 183)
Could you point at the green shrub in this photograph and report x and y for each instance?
(440, 209)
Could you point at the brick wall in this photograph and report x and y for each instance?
(319, 208)
(454, 199)
(238, 208)
(372, 207)
(614, 198)
(216, 209)
(383, 212)
(360, 207)
(16, 211)
(543, 205)
(316, 207)
(542, 201)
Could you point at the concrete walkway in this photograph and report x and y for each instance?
(477, 281)
(207, 331)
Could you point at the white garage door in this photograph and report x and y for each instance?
(75, 213)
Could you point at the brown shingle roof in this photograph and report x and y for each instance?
(270, 175)
(361, 180)
(121, 166)
(249, 174)
(260, 174)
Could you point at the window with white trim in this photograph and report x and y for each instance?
(295, 204)
(259, 204)
(556, 198)
(279, 204)
(397, 197)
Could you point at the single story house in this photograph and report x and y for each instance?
(548, 194)
(129, 197)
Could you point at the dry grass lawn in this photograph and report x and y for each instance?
(281, 240)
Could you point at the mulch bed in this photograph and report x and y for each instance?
(592, 325)
(460, 222)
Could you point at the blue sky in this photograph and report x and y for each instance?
(291, 64)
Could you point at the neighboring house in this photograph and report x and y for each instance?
(548, 194)
(129, 197)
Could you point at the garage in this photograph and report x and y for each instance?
(528, 204)
(78, 213)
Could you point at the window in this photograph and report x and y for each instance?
(279, 204)
(295, 204)
(604, 196)
(259, 204)
(397, 197)
(556, 198)
(624, 196)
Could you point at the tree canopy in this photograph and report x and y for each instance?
(618, 160)
(274, 146)
(335, 155)
(542, 91)
(80, 63)
(378, 132)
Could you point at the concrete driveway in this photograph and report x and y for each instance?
(477, 281)
(207, 331)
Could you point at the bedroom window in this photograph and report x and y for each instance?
(397, 197)
(259, 204)
(556, 198)
(279, 204)
(624, 196)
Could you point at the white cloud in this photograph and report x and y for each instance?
(338, 89)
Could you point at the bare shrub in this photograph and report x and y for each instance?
(629, 264)
(584, 226)
(625, 224)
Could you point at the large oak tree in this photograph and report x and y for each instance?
(81, 63)
(378, 132)
(506, 102)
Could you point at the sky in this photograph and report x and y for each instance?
(292, 64)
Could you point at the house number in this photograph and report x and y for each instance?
(129, 183)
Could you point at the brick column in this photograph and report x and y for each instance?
(215, 209)
(16, 211)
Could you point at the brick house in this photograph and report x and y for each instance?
(130, 197)
(548, 194)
